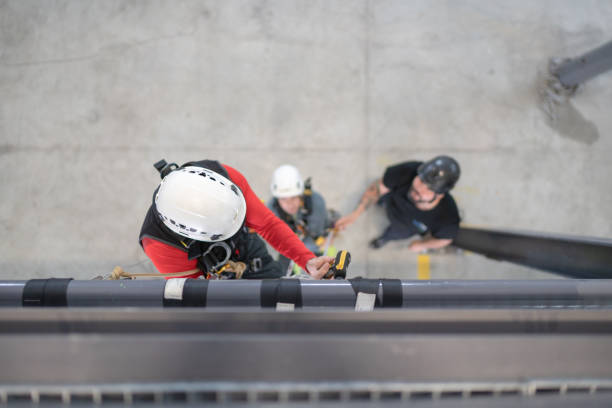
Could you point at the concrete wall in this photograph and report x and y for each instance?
(92, 93)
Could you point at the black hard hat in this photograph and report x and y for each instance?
(440, 173)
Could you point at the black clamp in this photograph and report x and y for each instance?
(391, 295)
(45, 292)
(194, 294)
(256, 264)
(275, 291)
(164, 168)
(368, 286)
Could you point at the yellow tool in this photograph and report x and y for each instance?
(339, 266)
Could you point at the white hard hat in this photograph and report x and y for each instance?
(200, 204)
(287, 182)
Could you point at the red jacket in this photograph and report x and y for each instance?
(168, 259)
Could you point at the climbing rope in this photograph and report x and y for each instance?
(237, 268)
(120, 273)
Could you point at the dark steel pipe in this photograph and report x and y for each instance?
(335, 294)
(570, 256)
(575, 71)
(11, 293)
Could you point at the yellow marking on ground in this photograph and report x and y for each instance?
(423, 267)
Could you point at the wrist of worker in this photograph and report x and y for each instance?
(303, 262)
(360, 209)
(310, 273)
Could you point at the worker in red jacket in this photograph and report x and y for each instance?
(201, 222)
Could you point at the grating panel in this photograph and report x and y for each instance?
(292, 393)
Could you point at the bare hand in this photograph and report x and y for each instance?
(417, 246)
(318, 267)
(345, 221)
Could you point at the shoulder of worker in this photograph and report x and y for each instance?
(449, 207)
(400, 173)
(405, 166)
(317, 198)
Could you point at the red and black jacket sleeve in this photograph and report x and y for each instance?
(168, 259)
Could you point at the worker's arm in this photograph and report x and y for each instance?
(370, 196)
(429, 243)
(168, 259)
(276, 232)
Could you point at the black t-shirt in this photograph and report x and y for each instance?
(442, 221)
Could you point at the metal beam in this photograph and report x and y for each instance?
(403, 346)
(570, 256)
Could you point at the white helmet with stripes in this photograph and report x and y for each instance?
(200, 204)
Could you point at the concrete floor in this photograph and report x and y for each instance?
(91, 94)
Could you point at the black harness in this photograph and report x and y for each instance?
(211, 256)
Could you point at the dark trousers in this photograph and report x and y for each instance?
(397, 229)
(266, 267)
(283, 261)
